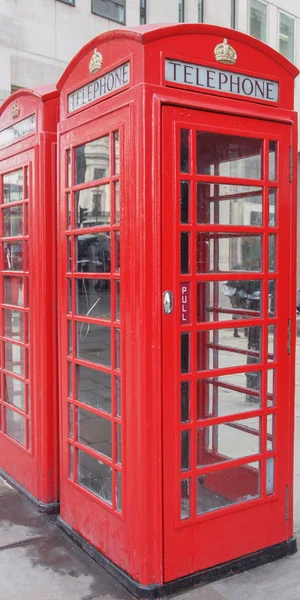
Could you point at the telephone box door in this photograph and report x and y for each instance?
(226, 270)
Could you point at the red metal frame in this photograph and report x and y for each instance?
(140, 540)
(33, 461)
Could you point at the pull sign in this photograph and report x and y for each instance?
(185, 303)
(168, 302)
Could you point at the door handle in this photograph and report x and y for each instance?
(168, 302)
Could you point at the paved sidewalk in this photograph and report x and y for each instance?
(37, 562)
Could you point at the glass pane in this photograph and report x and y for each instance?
(223, 348)
(271, 388)
(258, 20)
(93, 206)
(14, 325)
(185, 352)
(69, 255)
(273, 160)
(93, 252)
(70, 380)
(14, 392)
(13, 186)
(185, 510)
(69, 295)
(185, 401)
(229, 156)
(70, 346)
(68, 168)
(118, 396)
(94, 431)
(118, 444)
(117, 202)
(118, 349)
(228, 486)
(69, 210)
(185, 450)
(272, 298)
(286, 36)
(184, 151)
(272, 208)
(271, 342)
(116, 169)
(184, 202)
(93, 298)
(13, 221)
(226, 300)
(119, 491)
(220, 252)
(95, 476)
(117, 252)
(270, 432)
(15, 426)
(229, 394)
(230, 441)
(270, 464)
(93, 388)
(272, 252)
(13, 256)
(118, 299)
(92, 160)
(229, 204)
(14, 358)
(184, 252)
(71, 421)
(94, 343)
(71, 458)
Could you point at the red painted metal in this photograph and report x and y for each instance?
(30, 457)
(146, 538)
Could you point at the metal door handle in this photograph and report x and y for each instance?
(168, 302)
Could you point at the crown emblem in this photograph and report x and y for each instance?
(15, 110)
(225, 53)
(95, 62)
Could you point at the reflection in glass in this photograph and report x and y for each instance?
(185, 450)
(272, 207)
(93, 252)
(271, 387)
(118, 396)
(93, 343)
(272, 160)
(15, 426)
(14, 358)
(118, 444)
(229, 204)
(229, 156)
(184, 252)
(14, 392)
(117, 202)
(185, 352)
(93, 388)
(119, 491)
(68, 168)
(185, 401)
(93, 298)
(232, 440)
(13, 186)
(69, 337)
(69, 284)
(69, 210)
(94, 431)
(184, 202)
(69, 255)
(14, 325)
(116, 169)
(270, 432)
(13, 256)
(118, 299)
(92, 160)
(71, 421)
(184, 151)
(220, 348)
(12, 221)
(228, 486)
(185, 510)
(118, 349)
(221, 252)
(117, 252)
(93, 206)
(226, 300)
(70, 380)
(270, 470)
(228, 395)
(272, 252)
(71, 459)
(272, 298)
(95, 476)
(271, 342)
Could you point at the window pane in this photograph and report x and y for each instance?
(272, 208)
(272, 160)
(94, 343)
(111, 9)
(228, 395)
(225, 300)
(119, 491)
(13, 256)
(184, 252)
(94, 431)
(14, 392)
(220, 252)
(229, 156)
(185, 352)
(14, 325)
(229, 204)
(15, 426)
(93, 252)
(93, 206)
(94, 475)
(93, 388)
(184, 151)
(14, 358)
(93, 298)
(181, 11)
(185, 511)
(13, 221)
(228, 486)
(13, 186)
(117, 152)
(231, 441)
(185, 450)
(220, 348)
(270, 476)
(258, 20)
(286, 36)
(184, 202)
(92, 160)
(185, 401)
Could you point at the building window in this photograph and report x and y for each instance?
(233, 14)
(109, 9)
(143, 16)
(258, 20)
(181, 11)
(200, 11)
(70, 2)
(286, 35)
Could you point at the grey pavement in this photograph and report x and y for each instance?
(38, 562)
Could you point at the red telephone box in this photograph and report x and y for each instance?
(176, 245)
(28, 405)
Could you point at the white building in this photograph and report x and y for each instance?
(39, 37)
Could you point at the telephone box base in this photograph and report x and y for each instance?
(49, 508)
(151, 592)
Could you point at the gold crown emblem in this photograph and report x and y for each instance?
(95, 62)
(15, 110)
(225, 53)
